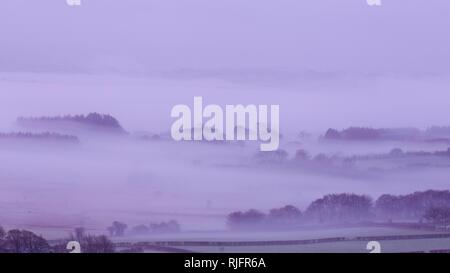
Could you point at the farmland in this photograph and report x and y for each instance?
(352, 240)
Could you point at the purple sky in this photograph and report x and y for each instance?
(402, 36)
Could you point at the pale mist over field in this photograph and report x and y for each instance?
(327, 63)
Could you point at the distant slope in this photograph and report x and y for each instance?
(93, 122)
(51, 137)
(433, 134)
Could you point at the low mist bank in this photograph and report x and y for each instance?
(137, 178)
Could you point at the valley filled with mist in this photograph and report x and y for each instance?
(64, 166)
(86, 151)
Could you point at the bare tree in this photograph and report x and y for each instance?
(91, 243)
(78, 234)
(111, 230)
(2, 233)
(117, 228)
(97, 244)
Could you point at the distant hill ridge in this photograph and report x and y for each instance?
(434, 133)
(40, 136)
(102, 121)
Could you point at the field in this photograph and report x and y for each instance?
(391, 246)
(352, 240)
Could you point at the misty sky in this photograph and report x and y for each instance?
(364, 66)
(402, 36)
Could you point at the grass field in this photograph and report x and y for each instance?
(260, 242)
(390, 246)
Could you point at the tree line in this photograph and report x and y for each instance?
(93, 119)
(435, 133)
(429, 207)
(40, 136)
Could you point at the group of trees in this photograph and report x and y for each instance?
(438, 216)
(276, 218)
(22, 241)
(40, 136)
(171, 226)
(281, 156)
(90, 243)
(93, 119)
(340, 208)
(353, 133)
(118, 228)
(302, 159)
(411, 206)
(430, 206)
(397, 152)
(365, 134)
(246, 219)
(433, 133)
(62, 124)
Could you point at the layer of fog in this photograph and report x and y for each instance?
(105, 179)
(326, 63)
